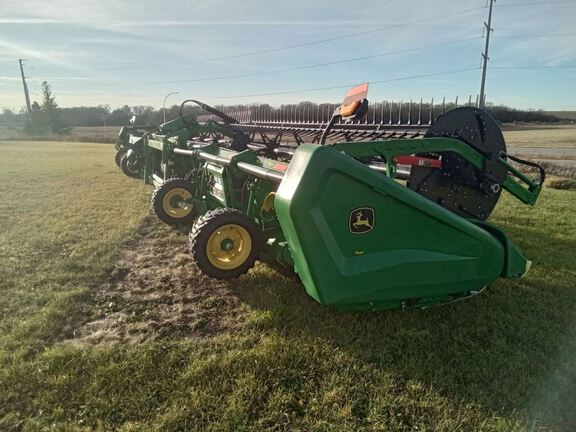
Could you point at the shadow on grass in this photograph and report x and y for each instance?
(509, 350)
(499, 350)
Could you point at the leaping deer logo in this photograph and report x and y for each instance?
(361, 220)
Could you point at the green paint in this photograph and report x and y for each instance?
(416, 252)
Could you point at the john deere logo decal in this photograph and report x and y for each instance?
(361, 220)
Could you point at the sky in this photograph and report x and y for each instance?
(276, 51)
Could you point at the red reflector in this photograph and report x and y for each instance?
(280, 167)
(418, 161)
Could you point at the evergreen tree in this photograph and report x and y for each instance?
(45, 117)
(50, 109)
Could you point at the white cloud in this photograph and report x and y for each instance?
(148, 41)
(28, 21)
(9, 79)
(57, 57)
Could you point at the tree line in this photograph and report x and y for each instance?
(47, 117)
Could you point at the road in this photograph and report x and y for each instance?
(559, 156)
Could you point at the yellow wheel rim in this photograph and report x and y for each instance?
(174, 203)
(229, 247)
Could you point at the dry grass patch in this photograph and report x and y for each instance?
(156, 292)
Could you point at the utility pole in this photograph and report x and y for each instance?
(485, 57)
(26, 95)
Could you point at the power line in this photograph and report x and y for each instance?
(294, 68)
(309, 43)
(534, 67)
(546, 3)
(498, 35)
(340, 86)
(341, 37)
(406, 78)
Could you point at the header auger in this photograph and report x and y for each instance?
(365, 223)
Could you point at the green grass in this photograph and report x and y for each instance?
(499, 362)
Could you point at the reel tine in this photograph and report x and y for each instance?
(420, 113)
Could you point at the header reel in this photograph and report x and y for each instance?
(456, 184)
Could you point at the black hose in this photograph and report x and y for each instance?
(225, 118)
(529, 163)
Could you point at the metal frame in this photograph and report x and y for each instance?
(294, 125)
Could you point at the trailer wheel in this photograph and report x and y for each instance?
(118, 157)
(225, 243)
(131, 166)
(169, 201)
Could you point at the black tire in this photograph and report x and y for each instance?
(118, 157)
(131, 166)
(216, 229)
(166, 198)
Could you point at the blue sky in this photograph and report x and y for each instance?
(135, 52)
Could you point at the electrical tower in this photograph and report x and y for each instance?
(26, 94)
(485, 57)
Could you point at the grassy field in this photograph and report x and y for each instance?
(562, 136)
(106, 325)
(107, 134)
(559, 136)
